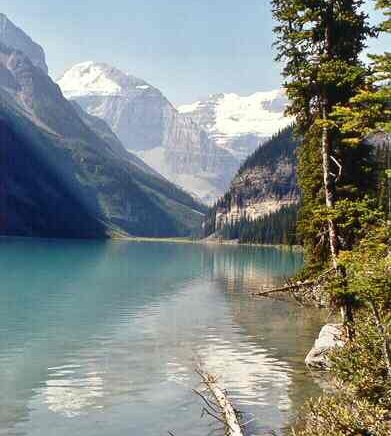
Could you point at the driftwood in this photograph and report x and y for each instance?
(308, 292)
(228, 415)
(286, 288)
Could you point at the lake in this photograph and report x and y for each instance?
(102, 338)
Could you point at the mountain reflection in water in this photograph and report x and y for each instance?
(102, 338)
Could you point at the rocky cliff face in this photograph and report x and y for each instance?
(14, 37)
(257, 192)
(136, 111)
(148, 124)
(66, 173)
(240, 124)
(265, 183)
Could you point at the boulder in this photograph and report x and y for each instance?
(330, 337)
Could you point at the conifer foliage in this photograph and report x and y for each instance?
(320, 42)
(342, 108)
(277, 228)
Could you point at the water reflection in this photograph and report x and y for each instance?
(103, 338)
(249, 267)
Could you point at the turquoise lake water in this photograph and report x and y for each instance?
(102, 338)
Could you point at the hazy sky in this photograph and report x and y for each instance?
(187, 48)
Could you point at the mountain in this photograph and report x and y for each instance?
(66, 176)
(265, 183)
(240, 124)
(14, 37)
(148, 124)
(102, 129)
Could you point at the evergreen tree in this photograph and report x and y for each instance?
(320, 42)
(368, 113)
(275, 228)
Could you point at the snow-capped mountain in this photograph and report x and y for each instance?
(14, 37)
(148, 124)
(67, 175)
(239, 124)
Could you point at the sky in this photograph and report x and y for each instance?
(186, 48)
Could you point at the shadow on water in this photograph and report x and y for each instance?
(101, 338)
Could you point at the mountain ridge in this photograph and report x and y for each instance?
(238, 123)
(13, 36)
(148, 124)
(74, 183)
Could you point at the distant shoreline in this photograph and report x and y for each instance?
(185, 240)
(173, 240)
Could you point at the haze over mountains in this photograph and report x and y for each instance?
(106, 153)
(15, 37)
(149, 125)
(199, 146)
(65, 172)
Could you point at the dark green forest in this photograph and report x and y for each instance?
(281, 145)
(275, 228)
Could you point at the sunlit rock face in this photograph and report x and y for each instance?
(133, 108)
(258, 192)
(237, 123)
(266, 182)
(148, 124)
(14, 37)
(67, 174)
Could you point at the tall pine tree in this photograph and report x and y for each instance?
(320, 42)
(368, 113)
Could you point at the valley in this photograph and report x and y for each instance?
(166, 268)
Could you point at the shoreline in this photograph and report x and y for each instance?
(173, 240)
(185, 240)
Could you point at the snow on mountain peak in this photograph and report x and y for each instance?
(92, 78)
(188, 108)
(231, 115)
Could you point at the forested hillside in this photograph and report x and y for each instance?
(261, 204)
(276, 228)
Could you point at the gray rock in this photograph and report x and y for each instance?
(149, 125)
(330, 337)
(240, 124)
(67, 174)
(14, 37)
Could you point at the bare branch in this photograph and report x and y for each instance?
(339, 167)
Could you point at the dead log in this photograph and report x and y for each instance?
(297, 286)
(228, 414)
(286, 288)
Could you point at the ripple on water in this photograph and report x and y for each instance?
(105, 339)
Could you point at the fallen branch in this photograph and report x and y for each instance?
(291, 287)
(228, 414)
(286, 288)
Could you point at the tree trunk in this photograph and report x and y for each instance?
(327, 146)
(386, 351)
(328, 183)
